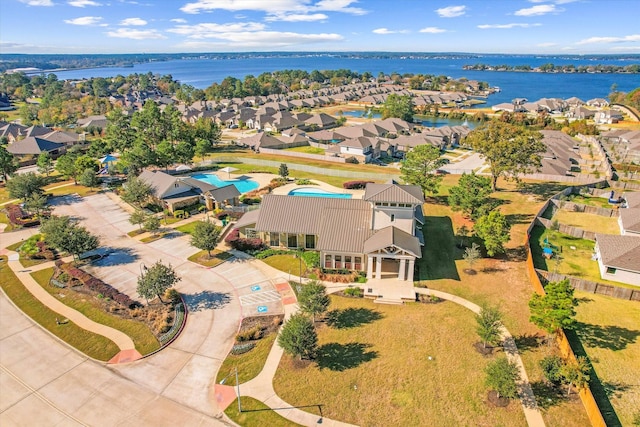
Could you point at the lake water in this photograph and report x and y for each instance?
(201, 73)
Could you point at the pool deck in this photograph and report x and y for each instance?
(285, 189)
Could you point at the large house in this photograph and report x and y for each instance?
(629, 215)
(379, 234)
(174, 192)
(619, 258)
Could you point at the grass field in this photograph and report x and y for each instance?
(306, 149)
(256, 414)
(609, 334)
(141, 335)
(590, 222)
(187, 228)
(249, 364)
(287, 264)
(217, 258)
(91, 344)
(373, 368)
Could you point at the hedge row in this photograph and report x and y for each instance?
(355, 185)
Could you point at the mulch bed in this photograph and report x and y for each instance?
(500, 402)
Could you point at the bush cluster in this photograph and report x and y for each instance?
(311, 258)
(243, 244)
(355, 185)
(252, 334)
(225, 214)
(96, 285)
(353, 292)
(271, 252)
(250, 200)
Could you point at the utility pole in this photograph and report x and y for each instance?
(238, 392)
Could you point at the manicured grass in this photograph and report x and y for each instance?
(590, 222)
(373, 368)
(141, 335)
(609, 334)
(256, 414)
(4, 219)
(91, 344)
(134, 233)
(187, 228)
(217, 258)
(306, 149)
(600, 202)
(249, 364)
(574, 262)
(153, 238)
(287, 264)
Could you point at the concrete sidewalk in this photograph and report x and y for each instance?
(123, 341)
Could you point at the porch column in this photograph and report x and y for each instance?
(412, 263)
(402, 269)
(369, 267)
(378, 267)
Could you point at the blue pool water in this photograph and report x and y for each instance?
(243, 185)
(317, 192)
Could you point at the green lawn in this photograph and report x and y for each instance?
(306, 149)
(373, 369)
(140, 333)
(590, 222)
(217, 258)
(609, 334)
(600, 202)
(287, 263)
(187, 228)
(249, 364)
(256, 414)
(91, 344)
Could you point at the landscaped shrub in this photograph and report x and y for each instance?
(353, 292)
(242, 348)
(355, 185)
(179, 213)
(244, 245)
(19, 217)
(305, 181)
(250, 200)
(271, 252)
(95, 285)
(252, 334)
(311, 258)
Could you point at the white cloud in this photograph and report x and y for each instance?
(388, 31)
(593, 40)
(506, 26)
(37, 2)
(553, 1)
(273, 7)
(85, 20)
(130, 33)
(296, 17)
(547, 44)
(133, 22)
(542, 9)
(262, 40)
(451, 11)
(433, 30)
(212, 30)
(83, 3)
(179, 20)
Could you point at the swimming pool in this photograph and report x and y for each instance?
(243, 185)
(317, 192)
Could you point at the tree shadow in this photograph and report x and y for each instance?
(611, 337)
(117, 256)
(547, 395)
(206, 300)
(526, 342)
(351, 317)
(543, 190)
(519, 218)
(340, 357)
(68, 199)
(173, 234)
(438, 259)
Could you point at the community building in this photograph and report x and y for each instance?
(379, 234)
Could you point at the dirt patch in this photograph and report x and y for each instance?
(483, 350)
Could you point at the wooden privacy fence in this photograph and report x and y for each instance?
(593, 287)
(567, 229)
(299, 155)
(586, 395)
(579, 207)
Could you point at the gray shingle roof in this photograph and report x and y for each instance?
(630, 218)
(160, 182)
(33, 145)
(621, 252)
(227, 192)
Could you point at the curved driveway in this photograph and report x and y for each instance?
(44, 382)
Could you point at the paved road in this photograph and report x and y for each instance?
(471, 162)
(174, 386)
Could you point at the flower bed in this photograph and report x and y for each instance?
(17, 216)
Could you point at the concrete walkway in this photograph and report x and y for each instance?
(527, 398)
(123, 341)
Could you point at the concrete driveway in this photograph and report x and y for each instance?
(179, 378)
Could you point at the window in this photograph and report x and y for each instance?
(310, 241)
(347, 262)
(176, 185)
(274, 239)
(357, 265)
(338, 259)
(393, 217)
(327, 261)
(292, 240)
(393, 205)
(250, 233)
(611, 270)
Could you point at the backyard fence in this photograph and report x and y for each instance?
(299, 155)
(593, 287)
(579, 207)
(567, 229)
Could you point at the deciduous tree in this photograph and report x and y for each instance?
(156, 280)
(472, 254)
(510, 150)
(471, 195)
(399, 106)
(45, 163)
(575, 373)
(206, 236)
(23, 186)
(138, 217)
(502, 376)
(420, 166)
(493, 229)
(136, 191)
(489, 324)
(283, 171)
(8, 163)
(555, 309)
(88, 178)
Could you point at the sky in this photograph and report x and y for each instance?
(174, 26)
